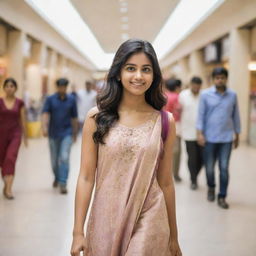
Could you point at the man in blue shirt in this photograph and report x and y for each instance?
(218, 127)
(59, 123)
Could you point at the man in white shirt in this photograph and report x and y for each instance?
(86, 99)
(189, 101)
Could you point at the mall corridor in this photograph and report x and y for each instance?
(195, 59)
(39, 221)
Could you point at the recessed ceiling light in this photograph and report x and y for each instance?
(124, 4)
(125, 26)
(124, 36)
(123, 9)
(124, 19)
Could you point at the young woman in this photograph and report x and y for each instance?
(12, 126)
(133, 211)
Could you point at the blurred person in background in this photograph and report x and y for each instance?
(189, 101)
(12, 127)
(33, 111)
(99, 85)
(173, 87)
(218, 126)
(59, 123)
(74, 91)
(133, 210)
(86, 99)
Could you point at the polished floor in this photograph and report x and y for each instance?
(39, 221)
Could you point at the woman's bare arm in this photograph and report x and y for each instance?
(165, 180)
(86, 178)
(23, 125)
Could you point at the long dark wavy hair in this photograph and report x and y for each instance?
(109, 98)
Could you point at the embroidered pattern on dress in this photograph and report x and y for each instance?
(122, 146)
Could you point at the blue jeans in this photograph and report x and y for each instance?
(220, 152)
(60, 152)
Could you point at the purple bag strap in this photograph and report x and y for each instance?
(165, 124)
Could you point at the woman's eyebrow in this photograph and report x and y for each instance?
(131, 64)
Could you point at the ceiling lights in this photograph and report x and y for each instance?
(64, 18)
(183, 20)
(124, 26)
(61, 15)
(124, 20)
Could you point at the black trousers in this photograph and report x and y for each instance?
(195, 159)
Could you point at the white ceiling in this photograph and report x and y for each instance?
(107, 21)
(97, 27)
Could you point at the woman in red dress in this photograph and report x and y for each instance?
(12, 126)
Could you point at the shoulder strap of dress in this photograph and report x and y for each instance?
(165, 124)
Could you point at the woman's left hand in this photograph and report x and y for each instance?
(175, 249)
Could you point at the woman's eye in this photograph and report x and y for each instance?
(130, 68)
(147, 70)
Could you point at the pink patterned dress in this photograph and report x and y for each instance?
(129, 215)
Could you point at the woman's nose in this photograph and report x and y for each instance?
(138, 74)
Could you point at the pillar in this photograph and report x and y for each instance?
(196, 66)
(183, 72)
(52, 71)
(16, 41)
(34, 71)
(3, 40)
(61, 66)
(3, 61)
(239, 76)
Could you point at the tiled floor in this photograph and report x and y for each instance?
(39, 221)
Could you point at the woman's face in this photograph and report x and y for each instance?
(137, 74)
(10, 89)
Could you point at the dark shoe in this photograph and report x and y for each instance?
(193, 186)
(222, 203)
(63, 189)
(177, 178)
(211, 194)
(55, 184)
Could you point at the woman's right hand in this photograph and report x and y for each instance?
(78, 245)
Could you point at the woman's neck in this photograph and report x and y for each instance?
(133, 103)
(9, 97)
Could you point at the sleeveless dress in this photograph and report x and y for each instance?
(128, 215)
